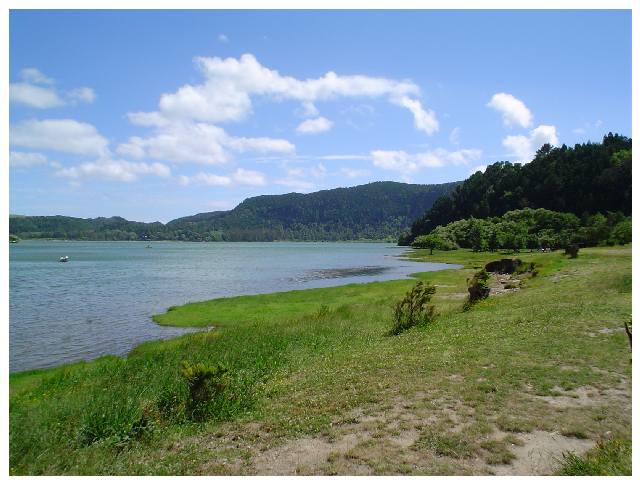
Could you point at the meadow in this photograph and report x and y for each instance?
(313, 383)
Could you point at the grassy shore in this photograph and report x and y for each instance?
(316, 387)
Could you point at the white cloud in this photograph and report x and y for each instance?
(82, 94)
(64, 135)
(423, 120)
(475, 169)
(309, 109)
(408, 163)
(313, 126)
(34, 76)
(343, 157)
(514, 111)
(21, 159)
(318, 171)
(115, 170)
(249, 177)
(225, 94)
(239, 177)
(34, 96)
(354, 173)
(523, 148)
(194, 142)
(454, 136)
(37, 91)
(223, 38)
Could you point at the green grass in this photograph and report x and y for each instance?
(300, 361)
(612, 458)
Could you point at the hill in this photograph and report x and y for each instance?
(584, 180)
(375, 211)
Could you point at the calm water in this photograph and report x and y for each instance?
(101, 301)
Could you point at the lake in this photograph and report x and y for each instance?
(102, 300)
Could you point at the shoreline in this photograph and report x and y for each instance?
(157, 318)
(317, 369)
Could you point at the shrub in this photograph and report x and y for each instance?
(478, 288)
(414, 308)
(433, 241)
(571, 251)
(204, 383)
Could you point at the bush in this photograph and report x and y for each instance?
(478, 288)
(414, 308)
(204, 383)
(571, 251)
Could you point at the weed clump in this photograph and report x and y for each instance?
(478, 288)
(414, 308)
(205, 383)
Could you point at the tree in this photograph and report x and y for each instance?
(431, 241)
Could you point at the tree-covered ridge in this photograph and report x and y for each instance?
(380, 210)
(529, 229)
(589, 178)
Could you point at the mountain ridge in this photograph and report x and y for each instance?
(373, 211)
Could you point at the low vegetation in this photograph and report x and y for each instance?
(280, 373)
(414, 308)
(611, 458)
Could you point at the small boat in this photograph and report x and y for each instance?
(64, 258)
(148, 247)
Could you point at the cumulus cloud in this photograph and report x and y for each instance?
(424, 120)
(37, 91)
(115, 170)
(408, 163)
(34, 96)
(64, 135)
(239, 177)
(193, 142)
(34, 76)
(514, 111)
(225, 95)
(21, 159)
(314, 126)
(523, 148)
(82, 94)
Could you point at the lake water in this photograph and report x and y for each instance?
(101, 301)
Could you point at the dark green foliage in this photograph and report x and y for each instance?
(414, 308)
(13, 238)
(205, 383)
(380, 210)
(478, 288)
(588, 178)
(572, 251)
(612, 458)
(433, 241)
(531, 229)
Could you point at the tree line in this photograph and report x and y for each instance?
(529, 229)
(585, 180)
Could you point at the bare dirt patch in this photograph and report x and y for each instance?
(540, 453)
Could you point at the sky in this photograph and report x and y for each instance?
(154, 115)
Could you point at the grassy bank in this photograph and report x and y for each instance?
(309, 370)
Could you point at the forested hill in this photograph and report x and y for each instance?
(584, 180)
(380, 210)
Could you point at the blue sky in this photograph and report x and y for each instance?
(154, 115)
